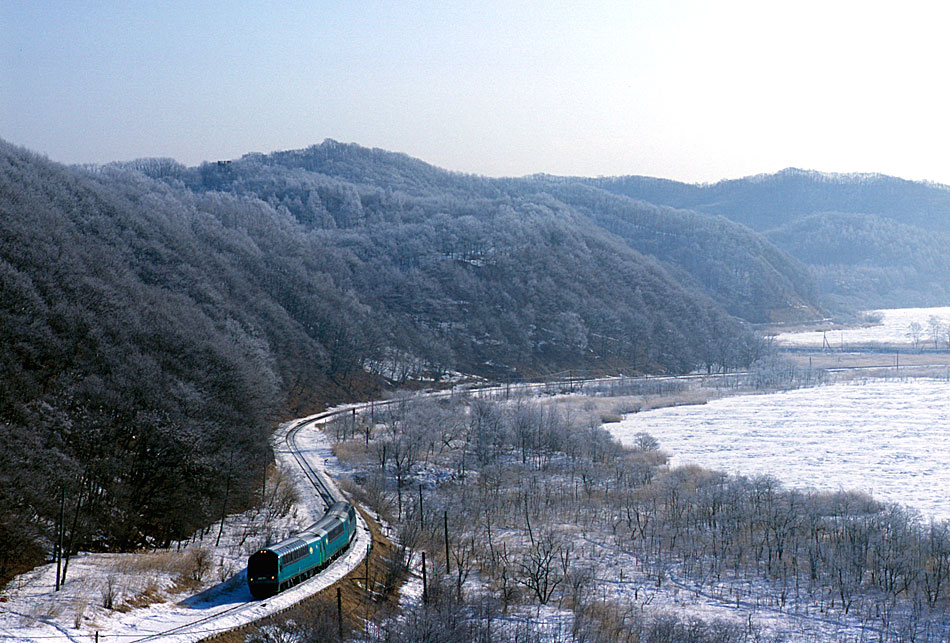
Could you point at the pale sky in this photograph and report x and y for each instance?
(693, 91)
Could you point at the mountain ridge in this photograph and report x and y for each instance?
(311, 170)
(762, 202)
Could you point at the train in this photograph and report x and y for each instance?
(291, 561)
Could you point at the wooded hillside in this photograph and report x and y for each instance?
(156, 318)
(864, 260)
(869, 240)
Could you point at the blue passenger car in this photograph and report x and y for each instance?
(296, 559)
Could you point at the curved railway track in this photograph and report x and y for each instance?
(204, 627)
(316, 480)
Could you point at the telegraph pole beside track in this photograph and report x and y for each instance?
(61, 527)
(445, 524)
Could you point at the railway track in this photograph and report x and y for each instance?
(253, 610)
(202, 627)
(208, 626)
(316, 480)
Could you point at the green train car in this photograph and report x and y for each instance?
(291, 561)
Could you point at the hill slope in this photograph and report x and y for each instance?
(332, 186)
(154, 317)
(910, 219)
(868, 261)
(767, 201)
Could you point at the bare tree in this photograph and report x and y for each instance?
(539, 569)
(463, 556)
(935, 326)
(915, 332)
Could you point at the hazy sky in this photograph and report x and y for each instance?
(695, 91)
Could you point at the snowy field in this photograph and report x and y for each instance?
(148, 598)
(887, 438)
(893, 329)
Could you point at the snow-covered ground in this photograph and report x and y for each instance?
(889, 438)
(894, 329)
(30, 609)
(621, 577)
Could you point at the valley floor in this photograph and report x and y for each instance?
(885, 437)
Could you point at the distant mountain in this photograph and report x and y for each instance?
(739, 268)
(767, 201)
(882, 247)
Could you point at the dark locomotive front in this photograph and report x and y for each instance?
(263, 574)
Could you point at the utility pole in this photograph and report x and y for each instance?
(227, 492)
(264, 483)
(445, 524)
(339, 612)
(60, 528)
(425, 583)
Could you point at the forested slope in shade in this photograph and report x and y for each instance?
(127, 380)
(150, 324)
(869, 261)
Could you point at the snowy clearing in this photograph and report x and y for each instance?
(888, 438)
(148, 595)
(893, 330)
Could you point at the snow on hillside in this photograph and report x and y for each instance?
(888, 438)
(153, 592)
(894, 329)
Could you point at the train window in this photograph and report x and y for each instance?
(335, 533)
(295, 555)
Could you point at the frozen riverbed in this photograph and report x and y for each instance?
(893, 330)
(888, 438)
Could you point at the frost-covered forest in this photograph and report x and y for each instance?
(156, 319)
